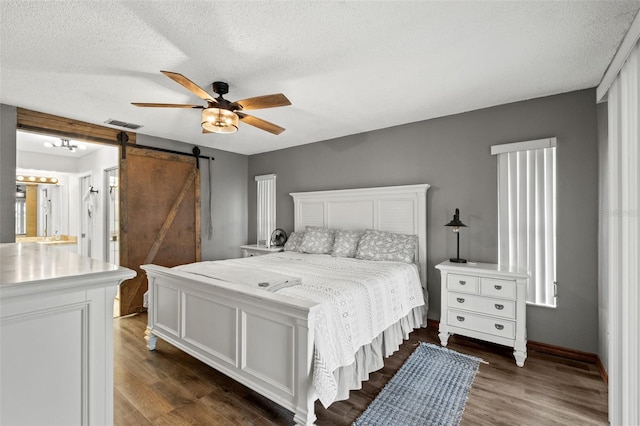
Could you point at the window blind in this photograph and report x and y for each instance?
(266, 214)
(527, 214)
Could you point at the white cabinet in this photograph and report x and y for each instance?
(56, 336)
(486, 302)
(256, 250)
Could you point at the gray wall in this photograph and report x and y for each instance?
(7, 173)
(453, 155)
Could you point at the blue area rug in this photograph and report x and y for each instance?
(431, 388)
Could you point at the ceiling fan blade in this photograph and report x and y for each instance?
(262, 102)
(189, 85)
(144, 104)
(260, 123)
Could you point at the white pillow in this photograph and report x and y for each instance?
(294, 241)
(381, 245)
(317, 240)
(346, 243)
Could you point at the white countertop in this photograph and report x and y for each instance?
(33, 267)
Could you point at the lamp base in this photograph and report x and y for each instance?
(457, 260)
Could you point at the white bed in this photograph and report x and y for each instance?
(265, 340)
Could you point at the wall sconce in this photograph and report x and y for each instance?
(456, 224)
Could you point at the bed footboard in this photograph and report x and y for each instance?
(262, 340)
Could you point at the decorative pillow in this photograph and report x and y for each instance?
(381, 245)
(346, 243)
(317, 240)
(294, 241)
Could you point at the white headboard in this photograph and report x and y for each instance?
(399, 209)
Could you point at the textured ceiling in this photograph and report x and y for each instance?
(347, 67)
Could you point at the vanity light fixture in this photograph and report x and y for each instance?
(32, 180)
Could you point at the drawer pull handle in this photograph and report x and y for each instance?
(499, 326)
(460, 300)
(497, 287)
(462, 282)
(459, 318)
(499, 307)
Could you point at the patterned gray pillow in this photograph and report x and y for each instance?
(317, 240)
(381, 245)
(346, 243)
(294, 241)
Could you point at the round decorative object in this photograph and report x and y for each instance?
(278, 237)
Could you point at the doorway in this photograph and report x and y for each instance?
(66, 203)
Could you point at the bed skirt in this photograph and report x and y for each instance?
(370, 358)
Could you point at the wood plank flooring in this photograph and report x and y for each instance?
(169, 387)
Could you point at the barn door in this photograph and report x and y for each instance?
(160, 216)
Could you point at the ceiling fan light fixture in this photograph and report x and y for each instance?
(219, 120)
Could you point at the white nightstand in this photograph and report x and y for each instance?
(256, 250)
(485, 302)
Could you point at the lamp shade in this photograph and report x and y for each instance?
(456, 220)
(219, 120)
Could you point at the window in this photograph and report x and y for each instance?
(527, 214)
(266, 216)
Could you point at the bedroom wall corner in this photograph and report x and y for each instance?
(8, 120)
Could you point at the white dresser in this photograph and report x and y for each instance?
(56, 336)
(485, 302)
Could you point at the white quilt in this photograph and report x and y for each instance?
(358, 300)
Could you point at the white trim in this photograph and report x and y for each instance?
(269, 176)
(619, 59)
(523, 146)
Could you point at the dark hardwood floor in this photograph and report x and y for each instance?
(169, 387)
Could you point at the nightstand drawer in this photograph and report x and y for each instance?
(462, 283)
(498, 288)
(483, 305)
(482, 324)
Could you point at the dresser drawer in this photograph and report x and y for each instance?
(482, 324)
(462, 283)
(483, 305)
(498, 288)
